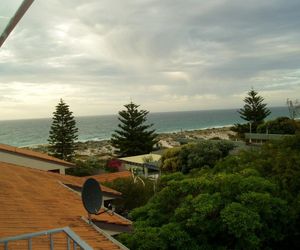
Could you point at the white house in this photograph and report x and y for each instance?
(146, 164)
(32, 159)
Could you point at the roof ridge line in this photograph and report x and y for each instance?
(123, 218)
(64, 185)
(99, 230)
(34, 154)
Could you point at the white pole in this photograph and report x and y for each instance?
(250, 140)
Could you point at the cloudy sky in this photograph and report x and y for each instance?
(167, 55)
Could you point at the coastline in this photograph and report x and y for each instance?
(102, 149)
(34, 132)
(171, 132)
(169, 140)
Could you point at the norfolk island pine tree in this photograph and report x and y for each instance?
(254, 110)
(134, 136)
(63, 132)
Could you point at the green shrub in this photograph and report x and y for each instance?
(222, 211)
(241, 129)
(195, 155)
(135, 193)
(281, 125)
(246, 201)
(170, 160)
(87, 167)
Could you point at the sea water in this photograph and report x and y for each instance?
(36, 131)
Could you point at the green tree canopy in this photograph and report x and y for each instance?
(136, 191)
(246, 201)
(195, 155)
(133, 136)
(254, 110)
(281, 125)
(63, 132)
(87, 167)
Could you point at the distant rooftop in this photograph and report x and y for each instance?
(141, 159)
(109, 177)
(34, 154)
(78, 181)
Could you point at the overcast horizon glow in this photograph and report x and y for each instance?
(165, 55)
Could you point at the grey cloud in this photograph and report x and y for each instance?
(125, 48)
(245, 67)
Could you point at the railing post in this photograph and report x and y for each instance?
(30, 243)
(71, 237)
(68, 243)
(51, 242)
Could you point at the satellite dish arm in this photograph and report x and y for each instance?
(110, 208)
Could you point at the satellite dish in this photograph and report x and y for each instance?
(91, 196)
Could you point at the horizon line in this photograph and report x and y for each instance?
(156, 112)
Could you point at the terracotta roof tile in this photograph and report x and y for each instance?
(33, 200)
(106, 177)
(34, 154)
(78, 181)
(109, 177)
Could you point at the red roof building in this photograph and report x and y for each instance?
(32, 159)
(33, 200)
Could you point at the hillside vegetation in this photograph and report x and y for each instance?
(246, 201)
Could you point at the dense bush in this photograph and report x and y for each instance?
(241, 129)
(87, 167)
(170, 160)
(247, 201)
(281, 125)
(195, 155)
(136, 191)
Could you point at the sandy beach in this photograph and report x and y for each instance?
(103, 149)
(169, 140)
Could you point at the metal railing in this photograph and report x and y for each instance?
(73, 240)
(14, 20)
(261, 136)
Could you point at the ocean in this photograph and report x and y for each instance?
(36, 131)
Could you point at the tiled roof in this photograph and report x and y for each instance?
(109, 177)
(33, 154)
(78, 181)
(106, 177)
(33, 200)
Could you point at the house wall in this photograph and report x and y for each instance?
(30, 162)
(113, 229)
(110, 232)
(139, 169)
(142, 171)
